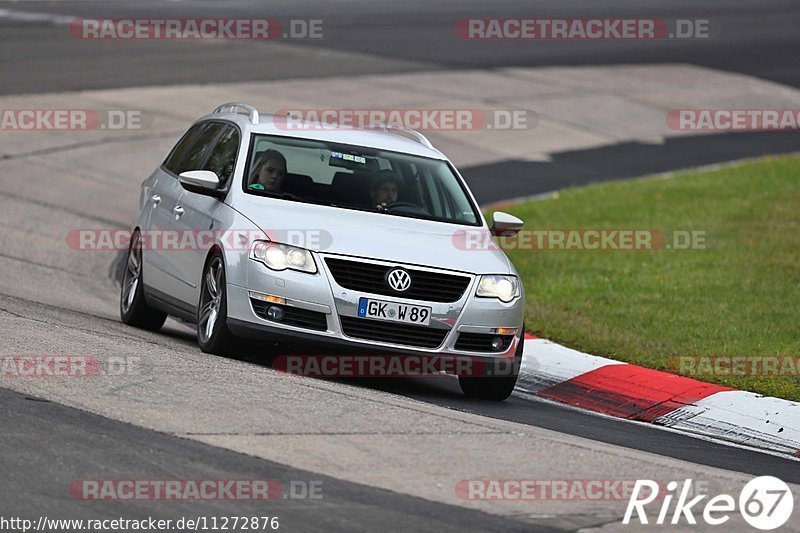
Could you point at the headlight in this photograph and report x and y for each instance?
(505, 288)
(281, 256)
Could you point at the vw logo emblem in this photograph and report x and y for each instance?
(398, 279)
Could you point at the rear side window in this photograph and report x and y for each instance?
(189, 153)
(222, 159)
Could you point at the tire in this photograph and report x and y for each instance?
(498, 386)
(133, 308)
(213, 335)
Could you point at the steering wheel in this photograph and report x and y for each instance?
(394, 205)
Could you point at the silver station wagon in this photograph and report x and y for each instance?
(352, 237)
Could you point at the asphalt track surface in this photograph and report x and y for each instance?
(755, 38)
(46, 445)
(381, 36)
(41, 435)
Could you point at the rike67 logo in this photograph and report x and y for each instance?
(765, 503)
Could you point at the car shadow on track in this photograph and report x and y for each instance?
(439, 389)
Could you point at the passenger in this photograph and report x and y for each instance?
(384, 189)
(268, 172)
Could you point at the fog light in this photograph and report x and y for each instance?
(497, 344)
(275, 313)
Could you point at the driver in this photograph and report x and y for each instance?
(384, 189)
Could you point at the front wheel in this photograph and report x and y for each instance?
(500, 384)
(133, 308)
(213, 335)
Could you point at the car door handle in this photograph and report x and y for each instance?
(156, 199)
(178, 211)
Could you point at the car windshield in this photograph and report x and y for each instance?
(354, 177)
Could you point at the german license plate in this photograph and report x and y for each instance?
(394, 312)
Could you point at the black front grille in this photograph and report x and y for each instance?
(293, 316)
(369, 277)
(481, 342)
(376, 330)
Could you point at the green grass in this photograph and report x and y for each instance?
(739, 296)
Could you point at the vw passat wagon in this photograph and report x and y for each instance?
(338, 236)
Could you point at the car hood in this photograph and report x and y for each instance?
(374, 235)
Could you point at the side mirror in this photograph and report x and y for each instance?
(505, 224)
(200, 181)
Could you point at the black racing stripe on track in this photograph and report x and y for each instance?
(513, 178)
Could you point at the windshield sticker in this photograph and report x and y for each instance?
(349, 157)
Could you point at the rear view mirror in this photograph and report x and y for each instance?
(505, 224)
(200, 178)
(200, 181)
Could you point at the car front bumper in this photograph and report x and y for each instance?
(319, 294)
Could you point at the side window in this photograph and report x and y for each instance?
(182, 148)
(190, 150)
(223, 155)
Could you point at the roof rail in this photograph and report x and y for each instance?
(236, 107)
(420, 138)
